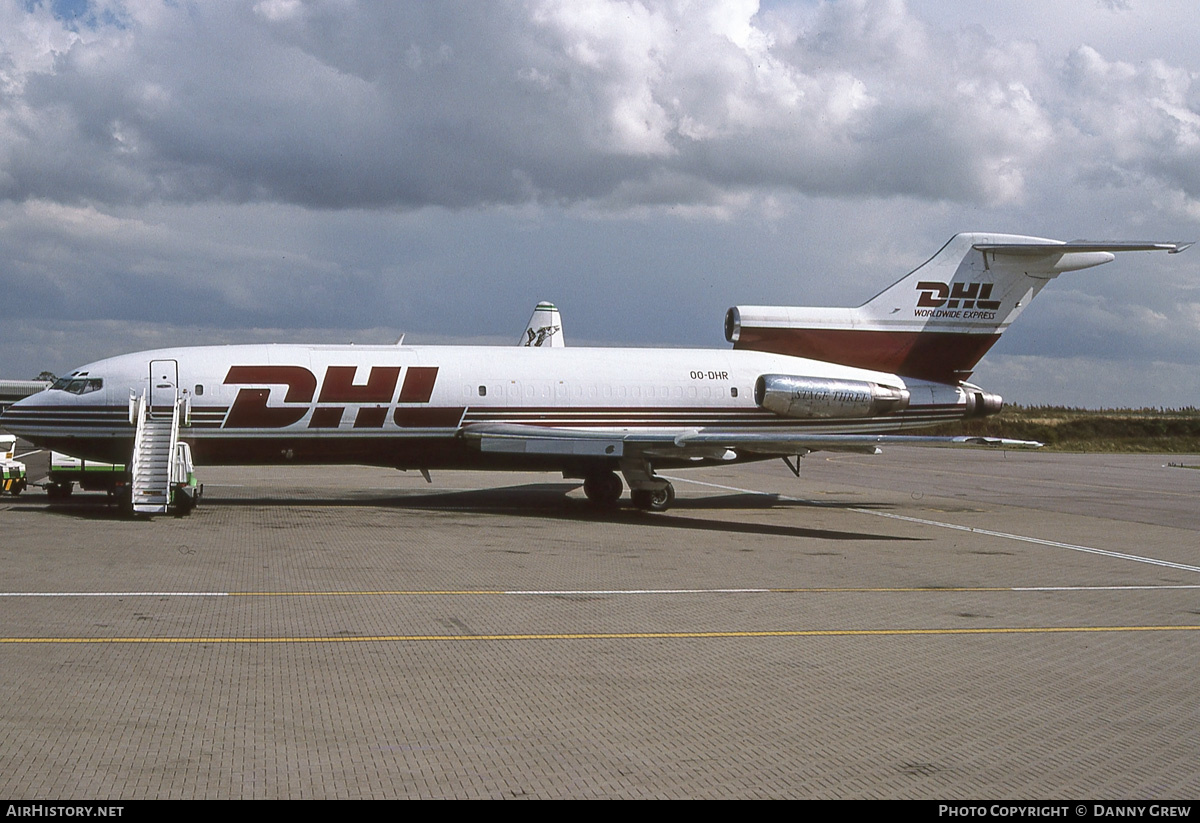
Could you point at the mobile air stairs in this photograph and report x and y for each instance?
(163, 477)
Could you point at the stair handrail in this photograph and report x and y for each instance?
(137, 411)
(171, 457)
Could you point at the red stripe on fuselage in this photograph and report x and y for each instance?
(945, 357)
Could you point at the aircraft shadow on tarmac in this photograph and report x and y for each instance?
(538, 500)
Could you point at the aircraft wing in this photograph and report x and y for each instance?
(702, 442)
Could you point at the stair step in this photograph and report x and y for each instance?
(153, 453)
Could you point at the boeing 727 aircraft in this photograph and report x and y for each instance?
(797, 380)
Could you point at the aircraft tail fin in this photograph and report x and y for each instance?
(544, 328)
(936, 322)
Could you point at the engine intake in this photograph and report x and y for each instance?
(791, 396)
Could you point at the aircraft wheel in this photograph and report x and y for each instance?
(603, 488)
(654, 500)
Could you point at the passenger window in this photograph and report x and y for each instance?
(199, 390)
(483, 391)
(733, 391)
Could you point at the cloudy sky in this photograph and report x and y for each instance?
(178, 172)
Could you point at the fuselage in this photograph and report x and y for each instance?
(407, 406)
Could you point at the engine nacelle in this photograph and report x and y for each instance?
(981, 403)
(791, 396)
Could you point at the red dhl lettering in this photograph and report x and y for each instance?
(250, 408)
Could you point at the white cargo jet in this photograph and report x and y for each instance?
(797, 380)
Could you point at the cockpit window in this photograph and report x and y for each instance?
(78, 385)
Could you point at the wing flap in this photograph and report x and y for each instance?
(523, 439)
(785, 444)
(518, 439)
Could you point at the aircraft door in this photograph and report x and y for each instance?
(164, 383)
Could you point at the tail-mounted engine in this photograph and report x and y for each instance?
(981, 403)
(791, 396)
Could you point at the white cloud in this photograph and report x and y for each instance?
(333, 104)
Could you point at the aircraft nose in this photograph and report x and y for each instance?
(20, 418)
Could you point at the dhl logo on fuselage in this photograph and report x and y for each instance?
(338, 390)
(935, 295)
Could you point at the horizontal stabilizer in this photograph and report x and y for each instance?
(1082, 246)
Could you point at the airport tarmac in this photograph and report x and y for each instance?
(926, 623)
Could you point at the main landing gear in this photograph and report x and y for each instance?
(653, 500)
(603, 488)
(650, 493)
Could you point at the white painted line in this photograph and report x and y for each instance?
(1137, 558)
(743, 491)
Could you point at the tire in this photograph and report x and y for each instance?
(654, 500)
(603, 488)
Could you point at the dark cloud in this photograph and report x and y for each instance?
(236, 170)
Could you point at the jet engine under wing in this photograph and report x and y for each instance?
(702, 442)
